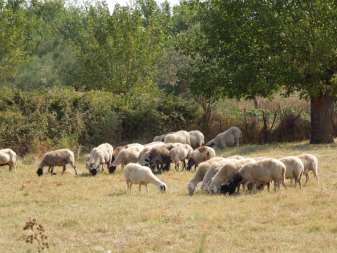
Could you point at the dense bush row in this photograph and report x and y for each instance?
(36, 121)
(39, 120)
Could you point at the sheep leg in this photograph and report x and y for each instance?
(316, 176)
(147, 189)
(306, 178)
(74, 167)
(184, 164)
(52, 170)
(140, 187)
(64, 169)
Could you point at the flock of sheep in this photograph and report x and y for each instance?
(224, 175)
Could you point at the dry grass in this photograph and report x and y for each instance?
(87, 214)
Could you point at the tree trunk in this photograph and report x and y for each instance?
(321, 119)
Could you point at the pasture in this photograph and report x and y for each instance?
(95, 214)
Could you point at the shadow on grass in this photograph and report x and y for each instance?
(117, 193)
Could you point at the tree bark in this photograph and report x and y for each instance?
(321, 119)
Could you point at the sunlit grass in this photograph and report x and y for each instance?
(95, 214)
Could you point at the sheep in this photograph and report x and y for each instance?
(159, 159)
(225, 172)
(200, 173)
(8, 157)
(178, 137)
(100, 155)
(197, 138)
(228, 138)
(310, 163)
(60, 157)
(264, 172)
(294, 168)
(129, 154)
(199, 155)
(137, 174)
(160, 137)
(179, 153)
(236, 157)
(144, 156)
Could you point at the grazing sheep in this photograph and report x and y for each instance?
(310, 163)
(264, 172)
(116, 152)
(180, 153)
(8, 157)
(137, 174)
(197, 138)
(226, 172)
(129, 154)
(144, 156)
(178, 137)
(199, 155)
(231, 185)
(100, 155)
(228, 138)
(236, 157)
(159, 159)
(295, 168)
(200, 173)
(160, 137)
(60, 157)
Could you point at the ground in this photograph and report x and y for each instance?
(95, 214)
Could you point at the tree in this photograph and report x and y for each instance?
(12, 38)
(266, 46)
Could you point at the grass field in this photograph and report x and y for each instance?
(95, 214)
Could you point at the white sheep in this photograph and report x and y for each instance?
(60, 157)
(180, 153)
(101, 155)
(310, 163)
(8, 157)
(295, 168)
(160, 137)
(137, 174)
(200, 173)
(236, 157)
(225, 173)
(197, 138)
(263, 172)
(199, 155)
(178, 137)
(130, 154)
(228, 138)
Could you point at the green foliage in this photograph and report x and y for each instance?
(61, 117)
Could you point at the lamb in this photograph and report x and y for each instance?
(159, 158)
(295, 168)
(178, 137)
(225, 173)
(199, 155)
(127, 155)
(8, 157)
(197, 138)
(137, 174)
(60, 157)
(179, 153)
(99, 156)
(200, 173)
(310, 163)
(228, 138)
(264, 172)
